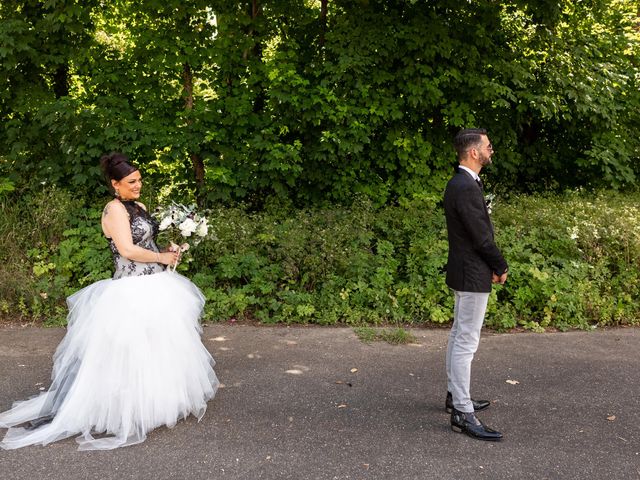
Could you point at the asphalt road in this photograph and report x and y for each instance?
(294, 407)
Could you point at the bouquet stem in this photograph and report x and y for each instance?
(172, 268)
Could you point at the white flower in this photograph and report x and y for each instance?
(187, 227)
(573, 233)
(166, 223)
(203, 228)
(488, 199)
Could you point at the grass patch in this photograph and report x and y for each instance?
(395, 336)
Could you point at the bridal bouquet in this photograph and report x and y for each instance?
(488, 199)
(183, 225)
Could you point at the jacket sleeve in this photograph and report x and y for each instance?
(475, 219)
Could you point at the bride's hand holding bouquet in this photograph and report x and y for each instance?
(184, 226)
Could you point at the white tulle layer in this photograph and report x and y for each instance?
(132, 360)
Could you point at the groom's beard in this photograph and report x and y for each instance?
(485, 159)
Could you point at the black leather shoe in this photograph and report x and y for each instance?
(468, 423)
(477, 404)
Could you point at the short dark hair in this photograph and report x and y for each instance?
(467, 138)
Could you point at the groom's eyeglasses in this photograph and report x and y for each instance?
(488, 147)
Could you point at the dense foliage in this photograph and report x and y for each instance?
(574, 261)
(314, 101)
(318, 134)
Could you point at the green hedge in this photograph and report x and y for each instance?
(574, 261)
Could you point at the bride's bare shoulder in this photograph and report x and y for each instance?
(112, 207)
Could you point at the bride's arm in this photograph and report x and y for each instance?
(172, 247)
(115, 225)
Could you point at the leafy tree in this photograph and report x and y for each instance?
(313, 101)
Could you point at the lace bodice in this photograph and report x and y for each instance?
(144, 229)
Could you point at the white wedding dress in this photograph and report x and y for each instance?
(132, 359)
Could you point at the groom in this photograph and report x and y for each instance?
(474, 263)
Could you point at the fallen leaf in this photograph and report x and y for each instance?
(354, 370)
(513, 382)
(611, 418)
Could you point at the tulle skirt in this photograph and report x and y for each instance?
(132, 360)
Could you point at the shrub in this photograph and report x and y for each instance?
(574, 261)
(50, 246)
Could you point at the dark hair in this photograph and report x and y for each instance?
(116, 166)
(467, 138)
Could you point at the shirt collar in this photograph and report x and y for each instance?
(471, 172)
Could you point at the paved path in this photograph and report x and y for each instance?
(291, 408)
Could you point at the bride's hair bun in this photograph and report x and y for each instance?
(116, 165)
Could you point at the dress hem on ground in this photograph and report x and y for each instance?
(132, 360)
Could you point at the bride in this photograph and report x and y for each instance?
(132, 359)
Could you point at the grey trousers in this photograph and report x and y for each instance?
(468, 316)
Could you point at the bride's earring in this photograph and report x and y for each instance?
(117, 193)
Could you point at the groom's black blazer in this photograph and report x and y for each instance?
(473, 254)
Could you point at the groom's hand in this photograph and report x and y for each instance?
(499, 278)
